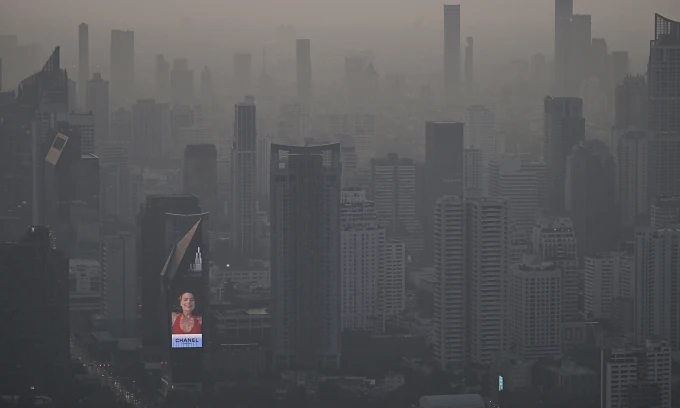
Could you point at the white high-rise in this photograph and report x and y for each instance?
(608, 276)
(522, 182)
(535, 306)
(361, 241)
(657, 297)
(470, 258)
(392, 279)
(637, 376)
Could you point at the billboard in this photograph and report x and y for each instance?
(500, 383)
(187, 321)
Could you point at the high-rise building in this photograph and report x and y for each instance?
(444, 168)
(206, 89)
(362, 243)
(664, 212)
(162, 222)
(608, 276)
(35, 287)
(590, 197)
(305, 255)
(451, 53)
(200, 177)
(122, 71)
(304, 73)
(535, 310)
(118, 261)
(474, 179)
(637, 376)
(122, 125)
(620, 66)
(243, 72)
(264, 148)
(471, 260)
(480, 133)
(151, 131)
(84, 123)
(564, 128)
(392, 279)
(469, 67)
(521, 181)
(631, 103)
(554, 240)
(181, 83)
(98, 104)
(83, 63)
(244, 177)
(162, 79)
(633, 175)
(657, 298)
(663, 72)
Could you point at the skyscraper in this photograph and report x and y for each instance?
(118, 261)
(151, 131)
(304, 72)
(620, 66)
(162, 79)
(122, 69)
(591, 197)
(305, 255)
(564, 9)
(451, 53)
(200, 178)
(444, 167)
(469, 67)
(181, 83)
(664, 107)
(630, 107)
(564, 128)
(84, 123)
(665, 211)
(98, 104)
(480, 133)
(83, 63)
(633, 175)
(244, 177)
(35, 287)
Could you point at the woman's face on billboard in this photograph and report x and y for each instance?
(188, 302)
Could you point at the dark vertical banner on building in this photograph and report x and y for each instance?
(188, 299)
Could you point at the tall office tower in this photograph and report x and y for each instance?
(480, 133)
(471, 260)
(84, 123)
(122, 125)
(159, 228)
(564, 128)
(657, 298)
(665, 211)
(444, 168)
(181, 83)
(118, 261)
(474, 179)
(72, 96)
(98, 104)
(35, 287)
(303, 60)
(243, 72)
(355, 82)
(451, 53)
(663, 72)
(590, 197)
(487, 239)
(150, 131)
(305, 255)
(580, 40)
(264, 147)
(630, 108)
(122, 71)
(608, 276)
(392, 280)
(200, 177)
(83, 64)
(292, 126)
(244, 177)
(363, 255)
(535, 309)
(633, 175)
(521, 181)
(469, 67)
(451, 296)
(620, 66)
(162, 79)
(554, 241)
(637, 376)
(393, 189)
(564, 9)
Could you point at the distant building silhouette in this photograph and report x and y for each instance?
(122, 70)
(304, 73)
(244, 174)
(451, 53)
(83, 64)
